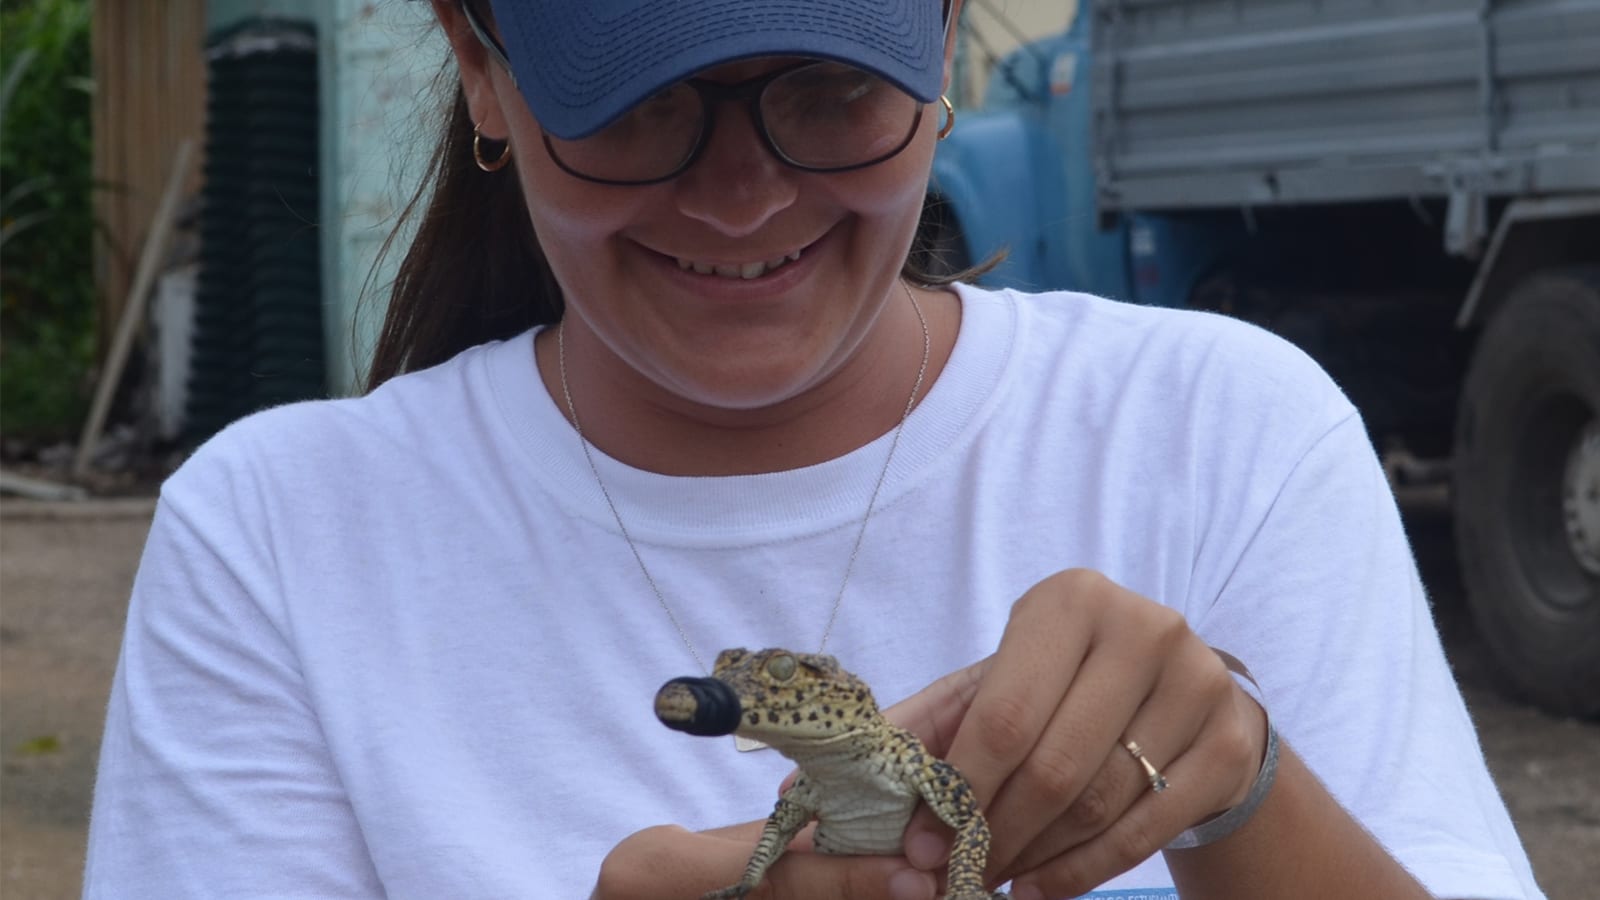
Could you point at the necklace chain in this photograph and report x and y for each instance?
(855, 549)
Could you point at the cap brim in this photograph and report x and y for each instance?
(581, 64)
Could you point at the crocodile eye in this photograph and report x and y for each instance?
(781, 667)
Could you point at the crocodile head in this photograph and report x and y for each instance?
(773, 696)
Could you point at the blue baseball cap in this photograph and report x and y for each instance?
(581, 64)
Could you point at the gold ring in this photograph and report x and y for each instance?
(1158, 781)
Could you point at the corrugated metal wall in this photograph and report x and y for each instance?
(150, 90)
(1218, 101)
(258, 325)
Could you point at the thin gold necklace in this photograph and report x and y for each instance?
(872, 501)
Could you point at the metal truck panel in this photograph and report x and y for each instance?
(1252, 102)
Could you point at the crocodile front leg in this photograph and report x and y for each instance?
(796, 807)
(950, 797)
(968, 857)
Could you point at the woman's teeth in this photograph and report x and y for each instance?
(746, 271)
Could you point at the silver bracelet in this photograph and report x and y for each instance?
(1219, 827)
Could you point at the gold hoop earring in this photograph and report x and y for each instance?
(488, 165)
(950, 117)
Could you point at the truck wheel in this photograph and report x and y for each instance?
(1527, 489)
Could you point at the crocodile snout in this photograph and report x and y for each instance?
(700, 706)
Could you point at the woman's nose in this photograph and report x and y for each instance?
(737, 185)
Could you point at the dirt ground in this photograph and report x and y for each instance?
(64, 578)
(63, 588)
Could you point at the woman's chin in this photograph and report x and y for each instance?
(742, 392)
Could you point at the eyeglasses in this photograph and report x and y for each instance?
(816, 116)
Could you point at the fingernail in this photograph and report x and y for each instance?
(925, 849)
(909, 884)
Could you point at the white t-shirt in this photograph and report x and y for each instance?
(396, 644)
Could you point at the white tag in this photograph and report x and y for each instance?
(747, 745)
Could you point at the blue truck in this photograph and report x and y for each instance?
(1408, 189)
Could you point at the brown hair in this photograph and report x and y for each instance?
(475, 271)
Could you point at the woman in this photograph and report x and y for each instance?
(671, 385)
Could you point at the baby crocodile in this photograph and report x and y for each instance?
(860, 777)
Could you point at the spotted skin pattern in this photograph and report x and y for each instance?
(860, 776)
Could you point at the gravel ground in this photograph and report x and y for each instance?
(64, 577)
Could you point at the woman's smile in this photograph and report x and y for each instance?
(744, 271)
(749, 276)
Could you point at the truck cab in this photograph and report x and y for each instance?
(1407, 189)
(1017, 176)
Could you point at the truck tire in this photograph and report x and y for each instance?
(1527, 489)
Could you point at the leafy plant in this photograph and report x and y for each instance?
(11, 223)
(47, 293)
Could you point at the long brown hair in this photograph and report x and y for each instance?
(475, 272)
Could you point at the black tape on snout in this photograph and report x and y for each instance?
(716, 707)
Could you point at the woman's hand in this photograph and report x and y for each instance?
(668, 862)
(1040, 729)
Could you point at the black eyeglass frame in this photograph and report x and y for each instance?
(712, 95)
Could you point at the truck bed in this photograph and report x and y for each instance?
(1213, 103)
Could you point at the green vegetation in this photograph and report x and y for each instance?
(47, 225)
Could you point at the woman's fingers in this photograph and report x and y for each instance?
(672, 862)
(1041, 728)
(1165, 727)
(986, 720)
(934, 713)
(1078, 774)
(1025, 683)
(1153, 819)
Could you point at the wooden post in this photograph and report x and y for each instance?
(150, 91)
(155, 247)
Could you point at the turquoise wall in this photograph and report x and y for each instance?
(380, 119)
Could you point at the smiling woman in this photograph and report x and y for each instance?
(660, 378)
(483, 228)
